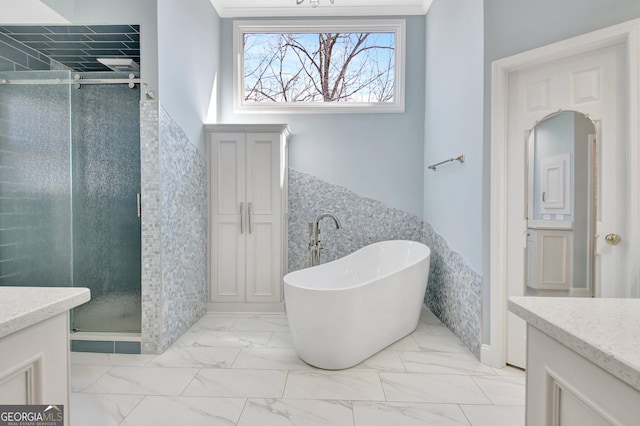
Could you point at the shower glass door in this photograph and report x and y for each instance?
(106, 226)
(35, 179)
(69, 176)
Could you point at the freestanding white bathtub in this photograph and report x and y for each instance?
(342, 312)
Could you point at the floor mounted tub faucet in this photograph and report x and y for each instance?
(314, 237)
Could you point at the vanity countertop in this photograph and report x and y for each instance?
(21, 307)
(604, 331)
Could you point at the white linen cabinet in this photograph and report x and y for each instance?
(247, 216)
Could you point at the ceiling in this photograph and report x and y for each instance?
(284, 8)
(77, 46)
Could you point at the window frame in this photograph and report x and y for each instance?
(396, 26)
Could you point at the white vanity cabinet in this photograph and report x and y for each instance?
(34, 345)
(247, 216)
(583, 360)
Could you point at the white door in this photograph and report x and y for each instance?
(593, 83)
(246, 217)
(264, 235)
(228, 211)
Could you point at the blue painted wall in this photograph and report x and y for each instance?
(188, 62)
(454, 63)
(379, 156)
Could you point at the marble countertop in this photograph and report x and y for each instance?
(21, 307)
(604, 331)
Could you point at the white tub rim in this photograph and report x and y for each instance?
(360, 283)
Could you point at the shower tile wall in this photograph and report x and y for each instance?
(453, 291)
(174, 236)
(151, 232)
(16, 56)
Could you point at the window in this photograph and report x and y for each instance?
(314, 66)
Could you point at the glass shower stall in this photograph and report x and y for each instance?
(69, 187)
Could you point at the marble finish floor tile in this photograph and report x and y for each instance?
(267, 323)
(439, 330)
(196, 357)
(234, 339)
(435, 388)
(213, 322)
(494, 415)
(502, 390)
(388, 361)
(405, 344)
(343, 385)
(296, 412)
(82, 376)
(432, 342)
(444, 363)
(191, 411)
(188, 339)
(90, 358)
(407, 414)
(509, 371)
(238, 383)
(270, 359)
(144, 381)
(242, 369)
(428, 317)
(101, 409)
(281, 339)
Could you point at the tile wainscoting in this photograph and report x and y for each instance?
(454, 289)
(174, 230)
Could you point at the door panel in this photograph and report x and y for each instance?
(230, 272)
(229, 227)
(263, 267)
(593, 83)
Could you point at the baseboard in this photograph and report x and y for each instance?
(246, 307)
(490, 357)
(580, 292)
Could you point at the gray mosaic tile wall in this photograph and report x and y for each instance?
(151, 231)
(174, 224)
(453, 291)
(184, 230)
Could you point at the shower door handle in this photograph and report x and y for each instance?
(242, 218)
(139, 204)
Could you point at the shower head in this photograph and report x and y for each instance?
(120, 64)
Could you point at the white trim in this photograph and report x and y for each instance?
(397, 26)
(240, 307)
(494, 354)
(579, 292)
(233, 9)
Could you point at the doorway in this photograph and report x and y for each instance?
(593, 74)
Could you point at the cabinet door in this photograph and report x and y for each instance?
(228, 217)
(264, 237)
(553, 259)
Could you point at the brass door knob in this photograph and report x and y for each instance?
(612, 239)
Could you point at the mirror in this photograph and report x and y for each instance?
(561, 206)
